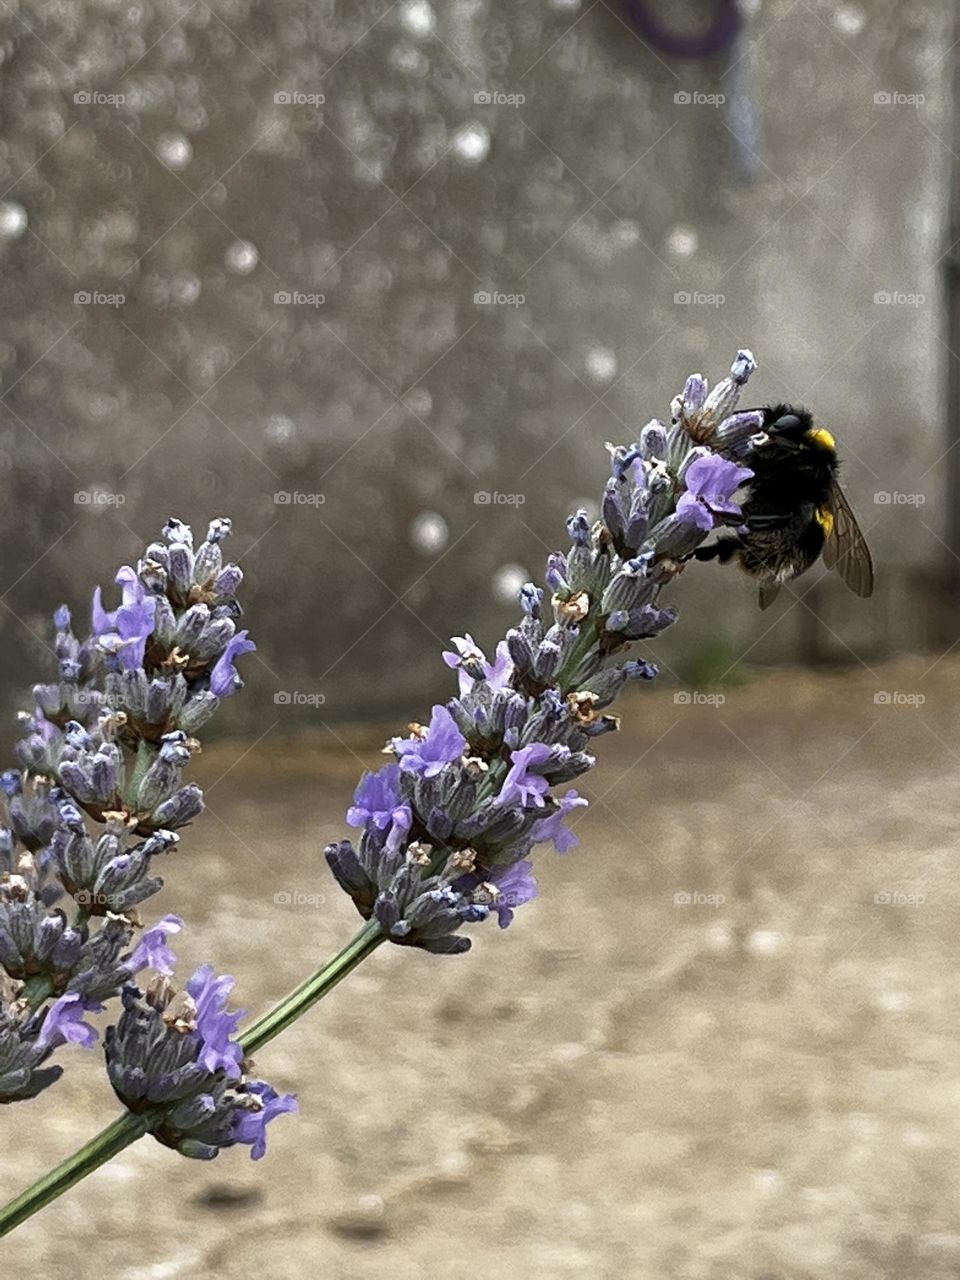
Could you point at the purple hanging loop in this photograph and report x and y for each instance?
(720, 35)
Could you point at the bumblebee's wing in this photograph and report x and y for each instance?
(767, 594)
(845, 548)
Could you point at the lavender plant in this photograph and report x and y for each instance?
(95, 805)
(447, 829)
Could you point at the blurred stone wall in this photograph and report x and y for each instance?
(343, 271)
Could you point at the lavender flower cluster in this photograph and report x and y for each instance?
(97, 801)
(448, 828)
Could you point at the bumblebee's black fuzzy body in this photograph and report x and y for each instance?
(794, 510)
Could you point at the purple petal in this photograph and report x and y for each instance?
(64, 1022)
(250, 1127)
(152, 951)
(224, 679)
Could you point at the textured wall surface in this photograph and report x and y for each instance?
(284, 219)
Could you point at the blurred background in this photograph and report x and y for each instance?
(378, 280)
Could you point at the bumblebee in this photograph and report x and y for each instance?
(794, 510)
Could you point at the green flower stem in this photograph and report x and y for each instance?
(588, 638)
(302, 998)
(128, 1128)
(147, 752)
(35, 990)
(107, 1144)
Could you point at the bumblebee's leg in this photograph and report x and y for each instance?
(723, 550)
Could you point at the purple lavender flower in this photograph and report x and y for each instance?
(126, 630)
(376, 797)
(471, 663)
(224, 678)
(160, 1054)
(64, 1022)
(401, 822)
(440, 744)
(711, 482)
(214, 1025)
(152, 951)
(514, 886)
(250, 1125)
(553, 829)
(521, 787)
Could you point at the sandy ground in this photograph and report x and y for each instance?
(758, 1078)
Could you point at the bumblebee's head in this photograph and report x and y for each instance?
(796, 426)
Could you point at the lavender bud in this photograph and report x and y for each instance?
(209, 559)
(164, 621)
(578, 527)
(547, 662)
(197, 711)
(520, 651)
(694, 394)
(228, 581)
(555, 576)
(191, 626)
(182, 807)
(181, 568)
(530, 600)
(175, 531)
(653, 441)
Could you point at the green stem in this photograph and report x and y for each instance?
(147, 752)
(315, 988)
(107, 1144)
(128, 1128)
(588, 639)
(35, 990)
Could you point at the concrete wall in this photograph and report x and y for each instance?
(219, 182)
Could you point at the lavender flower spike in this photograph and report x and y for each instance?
(447, 834)
(90, 812)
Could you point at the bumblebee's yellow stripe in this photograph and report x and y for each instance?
(822, 437)
(824, 518)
